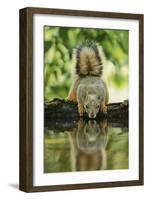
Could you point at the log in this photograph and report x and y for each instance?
(63, 113)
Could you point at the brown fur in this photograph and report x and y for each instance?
(88, 89)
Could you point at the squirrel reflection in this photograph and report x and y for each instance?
(90, 143)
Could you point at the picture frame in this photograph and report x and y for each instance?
(28, 47)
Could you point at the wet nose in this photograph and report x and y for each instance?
(92, 115)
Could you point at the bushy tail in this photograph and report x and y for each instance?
(89, 59)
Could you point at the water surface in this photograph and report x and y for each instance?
(86, 146)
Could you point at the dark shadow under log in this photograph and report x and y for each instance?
(59, 112)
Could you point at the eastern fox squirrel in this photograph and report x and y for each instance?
(88, 89)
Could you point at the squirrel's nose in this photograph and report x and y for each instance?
(92, 115)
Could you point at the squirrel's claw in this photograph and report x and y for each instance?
(103, 108)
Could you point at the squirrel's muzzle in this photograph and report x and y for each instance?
(92, 115)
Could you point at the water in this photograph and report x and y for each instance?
(85, 146)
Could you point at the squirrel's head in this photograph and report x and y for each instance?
(92, 105)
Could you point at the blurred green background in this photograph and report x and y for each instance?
(58, 63)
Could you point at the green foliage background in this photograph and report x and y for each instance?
(58, 45)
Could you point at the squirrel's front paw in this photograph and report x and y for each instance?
(81, 114)
(81, 110)
(103, 108)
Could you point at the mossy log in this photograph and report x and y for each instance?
(62, 111)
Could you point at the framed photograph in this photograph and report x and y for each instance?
(81, 99)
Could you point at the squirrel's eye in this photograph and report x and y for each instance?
(86, 106)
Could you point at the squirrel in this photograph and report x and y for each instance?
(88, 88)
